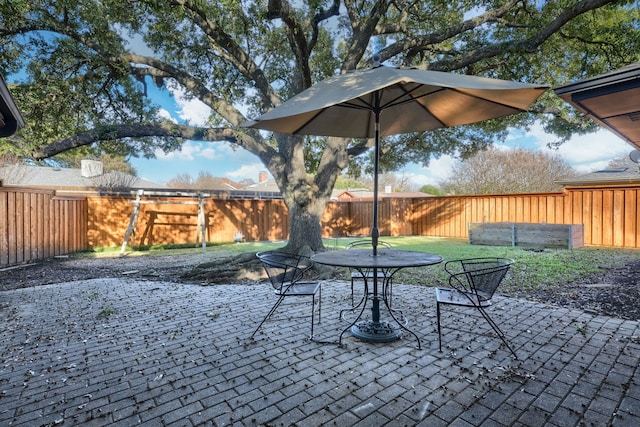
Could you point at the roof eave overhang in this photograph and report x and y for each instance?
(603, 182)
(9, 110)
(625, 80)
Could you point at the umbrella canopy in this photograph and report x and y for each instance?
(412, 100)
(387, 101)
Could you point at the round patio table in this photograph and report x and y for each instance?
(389, 261)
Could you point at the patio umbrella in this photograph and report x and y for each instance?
(386, 101)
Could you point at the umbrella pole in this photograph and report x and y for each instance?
(375, 233)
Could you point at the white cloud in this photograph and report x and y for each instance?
(210, 153)
(421, 180)
(188, 151)
(437, 170)
(165, 115)
(441, 167)
(587, 152)
(193, 111)
(247, 171)
(197, 151)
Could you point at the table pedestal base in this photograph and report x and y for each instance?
(368, 330)
(387, 262)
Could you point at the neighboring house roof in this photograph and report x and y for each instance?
(352, 194)
(265, 189)
(216, 184)
(58, 178)
(226, 184)
(610, 99)
(268, 186)
(10, 118)
(366, 194)
(407, 194)
(625, 174)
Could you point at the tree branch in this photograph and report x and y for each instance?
(333, 10)
(193, 85)
(363, 30)
(281, 9)
(527, 45)
(300, 46)
(141, 130)
(222, 42)
(411, 42)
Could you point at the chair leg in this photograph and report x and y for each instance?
(273, 310)
(439, 328)
(489, 320)
(320, 304)
(352, 292)
(497, 330)
(313, 306)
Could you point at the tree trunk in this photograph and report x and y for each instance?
(306, 195)
(305, 230)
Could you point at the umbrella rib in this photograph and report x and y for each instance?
(297, 130)
(487, 100)
(364, 107)
(394, 102)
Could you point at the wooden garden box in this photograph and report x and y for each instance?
(566, 236)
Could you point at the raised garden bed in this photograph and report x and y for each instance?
(529, 235)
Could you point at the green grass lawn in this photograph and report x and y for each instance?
(532, 270)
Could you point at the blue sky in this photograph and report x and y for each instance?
(217, 158)
(586, 153)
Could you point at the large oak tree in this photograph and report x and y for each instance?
(85, 81)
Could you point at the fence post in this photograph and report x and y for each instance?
(132, 222)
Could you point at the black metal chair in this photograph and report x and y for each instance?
(286, 272)
(473, 282)
(368, 274)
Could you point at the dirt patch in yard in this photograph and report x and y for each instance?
(615, 292)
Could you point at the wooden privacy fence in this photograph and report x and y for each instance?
(610, 215)
(177, 222)
(594, 208)
(37, 224)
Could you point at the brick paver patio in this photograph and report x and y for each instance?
(126, 352)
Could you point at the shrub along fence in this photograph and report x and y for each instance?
(36, 224)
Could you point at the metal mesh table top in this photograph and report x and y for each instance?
(386, 258)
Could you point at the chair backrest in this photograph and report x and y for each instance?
(359, 244)
(481, 276)
(284, 268)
